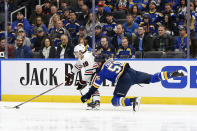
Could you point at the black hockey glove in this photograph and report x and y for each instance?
(68, 78)
(177, 73)
(88, 95)
(81, 84)
(85, 97)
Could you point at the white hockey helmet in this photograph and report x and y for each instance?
(79, 48)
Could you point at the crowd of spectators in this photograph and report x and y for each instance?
(122, 28)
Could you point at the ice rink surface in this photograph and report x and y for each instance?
(75, 117)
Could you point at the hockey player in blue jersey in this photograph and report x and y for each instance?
(125, 77)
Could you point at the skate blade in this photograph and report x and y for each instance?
(90, 108)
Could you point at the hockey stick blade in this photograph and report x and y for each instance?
(6, 107)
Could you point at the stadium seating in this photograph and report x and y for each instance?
(176, 54)
(138, 54)
(153, 54)
(35, 55)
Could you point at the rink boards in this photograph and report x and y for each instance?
(23, 79)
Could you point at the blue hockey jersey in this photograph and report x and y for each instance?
(111, 70)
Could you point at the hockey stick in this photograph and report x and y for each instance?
(17, 106)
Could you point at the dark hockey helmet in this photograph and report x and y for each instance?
(100, 58)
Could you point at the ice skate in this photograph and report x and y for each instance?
(94, 105)
(136, 103)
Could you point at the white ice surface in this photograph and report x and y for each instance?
(75, 117)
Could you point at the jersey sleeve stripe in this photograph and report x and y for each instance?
(89, 72)
(90, 69)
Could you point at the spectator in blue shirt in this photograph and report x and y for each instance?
(149, 28)
(108, 27)
(24, 21)
(105, 49)
(181, 41)
(125, 50)
(73, 25)
(155, 16)
(136, 13)
(130, 27)
(22, 51)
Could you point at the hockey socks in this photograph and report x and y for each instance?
(121, 101)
